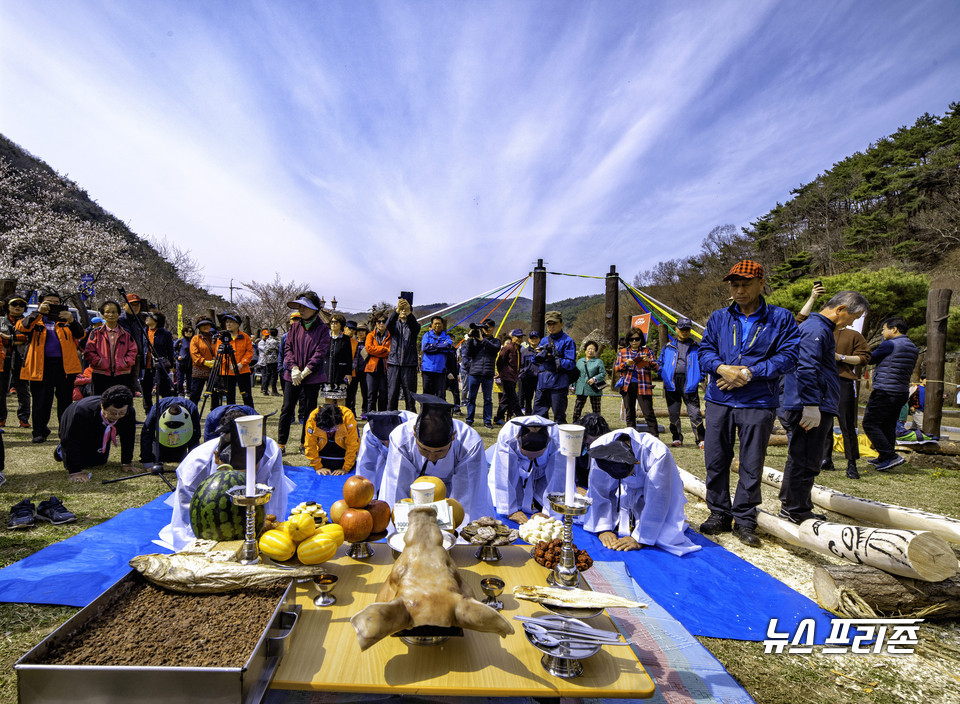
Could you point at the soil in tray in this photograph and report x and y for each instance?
(152, 627)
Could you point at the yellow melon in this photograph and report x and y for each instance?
(332, 531)
(440, 491)
(457, 511)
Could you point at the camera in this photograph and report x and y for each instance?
(225, 336)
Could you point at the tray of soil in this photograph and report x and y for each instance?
(137, 642)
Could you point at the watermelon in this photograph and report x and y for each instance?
(213, 515)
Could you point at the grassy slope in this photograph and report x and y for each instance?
(770, 679)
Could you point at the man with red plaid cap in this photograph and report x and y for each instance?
(746, 348)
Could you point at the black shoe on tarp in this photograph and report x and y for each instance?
(52, 511)
(22, 515)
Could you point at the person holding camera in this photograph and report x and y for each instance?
(557, 358)
(52, 360)
(15, 346)
(680, 370)
(402, 360)
(634, 363)
(591, 381)
(480, 358)
(242, 346)
(435, 345)
(155, 379)
(527, 377)
(203, 352)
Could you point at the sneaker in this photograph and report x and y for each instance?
(874, 461)
(38, 439)
(747, 535)
(457, 411)
(700, 444)
(716, 523)
(283, 448)
(677, 443)
(24, 424)
(57, 455)
(488, 426)
(22, 515)
(798, 518)
(52, 511)
(890, 464)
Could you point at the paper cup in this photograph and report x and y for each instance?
(422, 492)
(250, 430)
(571, 439)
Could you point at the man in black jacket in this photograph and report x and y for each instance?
(402, 360)
(88, 428)
(482, 348)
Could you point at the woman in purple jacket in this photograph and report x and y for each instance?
(308, 341)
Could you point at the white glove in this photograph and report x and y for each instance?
(295, 376)
(307, 371)
(810, 418)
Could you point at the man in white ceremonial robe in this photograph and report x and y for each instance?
(375, 441)
(526, 465)
(637, 494)
(204, 460)
(436, 445)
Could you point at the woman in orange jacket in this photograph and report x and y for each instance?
(203, 350)
(52, 360)
(377, 346)
(332, 440)
(243, 354)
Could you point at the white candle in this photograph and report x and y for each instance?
(570, 488)
(251, 471)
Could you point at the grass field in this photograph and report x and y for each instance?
(929, 676)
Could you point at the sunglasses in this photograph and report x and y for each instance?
(18, 304)
(633, 339)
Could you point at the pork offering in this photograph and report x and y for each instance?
(425, 589)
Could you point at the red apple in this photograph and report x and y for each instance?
(357, 525)
(358, 491)
(336, 510)
(380, 510)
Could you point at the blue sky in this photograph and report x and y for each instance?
(442, 147)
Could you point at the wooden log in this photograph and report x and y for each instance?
(908, 553)
(938, 310)
(886, 593)
(875, 511)
(941, 447)
(916, 554)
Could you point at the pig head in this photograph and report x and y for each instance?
(425, 589)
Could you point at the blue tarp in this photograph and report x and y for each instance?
(712, 592)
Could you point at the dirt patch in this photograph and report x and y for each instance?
(151, 627)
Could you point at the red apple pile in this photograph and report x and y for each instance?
(358, 513)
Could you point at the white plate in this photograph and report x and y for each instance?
(395, 541)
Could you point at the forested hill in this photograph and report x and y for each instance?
(897, 203)
(52, 233)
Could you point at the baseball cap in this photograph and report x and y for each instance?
(553, 316)
(133, 298)
(745, 269)
(516, 332)
(684, 323)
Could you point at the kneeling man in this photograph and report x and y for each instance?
(88, 428)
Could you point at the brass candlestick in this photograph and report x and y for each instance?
(565, 573)
(250, 552)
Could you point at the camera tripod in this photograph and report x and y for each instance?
(211, 388)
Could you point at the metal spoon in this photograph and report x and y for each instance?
(552, 638)
(566, 627)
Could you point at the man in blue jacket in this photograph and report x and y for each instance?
(811, 396)
(557, 360)
(895, 358)
(680, 370)
(746, 348)
(435, 345)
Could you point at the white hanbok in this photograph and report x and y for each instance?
(651, 498)
(200, 464)
(516, 481)
(372, 457)
(463, 471)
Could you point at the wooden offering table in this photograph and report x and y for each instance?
(323, 653)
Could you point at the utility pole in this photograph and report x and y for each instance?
(539, 298)
(611, 307)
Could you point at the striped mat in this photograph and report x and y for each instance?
(683, 670)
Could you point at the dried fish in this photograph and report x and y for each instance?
(196, 574)
(576, 598)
